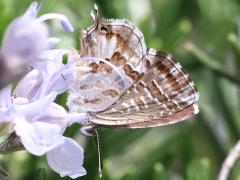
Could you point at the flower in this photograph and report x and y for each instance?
(27, 37)
(43, 121)
(30, 109)
(5, 104)
(67, 159)
(40, 123)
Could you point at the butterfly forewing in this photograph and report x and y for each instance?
(164, 94)
(118, 43)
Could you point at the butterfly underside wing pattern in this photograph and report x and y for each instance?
(121, 44)
(132, 86)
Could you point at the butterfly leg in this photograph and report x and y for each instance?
(88, 131)
(91, 131)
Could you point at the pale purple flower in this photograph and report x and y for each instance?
(30, 109)
(67, 159)
(27, 37)
(39, 129)
(40, 123)
(52, 74)
(37, 120)
(5, 104)
(65, 156)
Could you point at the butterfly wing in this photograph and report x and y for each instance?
(164, 95)
(118, 43)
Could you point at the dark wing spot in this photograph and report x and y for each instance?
(116, 55)
(140, 86)
(117, 59)
(110, 92)
(109, 35)
(94, 67)
(84, 86)
(93, 101)
(104, 29)
(155, 92)
(162, 67)
(131, 73)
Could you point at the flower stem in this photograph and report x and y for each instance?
(233, 39)
(11, 144)
(229, 162)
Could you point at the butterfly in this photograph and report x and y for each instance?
(126, 85)
(118, 82)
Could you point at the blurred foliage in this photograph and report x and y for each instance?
(204, 36)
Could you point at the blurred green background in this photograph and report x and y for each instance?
(205, 36)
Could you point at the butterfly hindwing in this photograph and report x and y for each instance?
(163, 95)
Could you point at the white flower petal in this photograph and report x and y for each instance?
(29, 85)
(81, 118)
(55, 114)
(7, 114)
(57, 82)
(23, 41)
(5, 97)
(67, 159)
(52, 72)
(67, 26)
(55, 55)
(31, 110)
(52, 42)
(38, 137)
(32, 11)
(54, 82)
(64, 21)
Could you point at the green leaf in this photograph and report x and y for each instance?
(41, 174)
(159, 172)
(199, 170)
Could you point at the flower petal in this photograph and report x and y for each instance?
(54, 55)
(64, 20)
(67, 26)
(32, 11)
(55, 114)
(5, 97)
(29, 85)
(31, 110)
(23, 41)
(52, 71)
(52, 42)
(81, 118)
(38, 137)
(67, 159)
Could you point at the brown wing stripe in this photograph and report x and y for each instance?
(135, 75)
(182, 115)
(171, 119)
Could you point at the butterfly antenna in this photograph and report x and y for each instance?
(99, 155)
(94, 14)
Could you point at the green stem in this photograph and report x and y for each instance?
(209, 62)
(11, 144)
(3, 174)
(234, 42)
